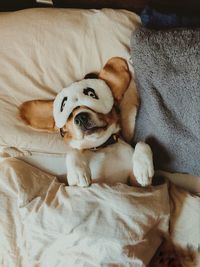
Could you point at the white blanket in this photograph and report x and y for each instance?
(45, 223)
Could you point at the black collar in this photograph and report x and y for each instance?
(113, 139)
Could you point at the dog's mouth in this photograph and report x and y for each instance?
(90, 129)
(87, 124)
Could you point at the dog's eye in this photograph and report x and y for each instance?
(90, 92)
(63, 103)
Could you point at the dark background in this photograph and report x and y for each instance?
(168, 6)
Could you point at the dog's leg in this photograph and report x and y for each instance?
(143, 169)
(78, 171)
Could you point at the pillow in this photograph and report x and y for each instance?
(56, 225)
(168, 79)
(44, 50)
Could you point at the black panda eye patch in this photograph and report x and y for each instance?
(90, 92)
(63, 103)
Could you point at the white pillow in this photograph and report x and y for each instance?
(45, 50)
(55, 225)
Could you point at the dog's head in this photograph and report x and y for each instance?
(85, 112)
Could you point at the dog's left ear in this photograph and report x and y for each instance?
(117, 76)
(38, 114)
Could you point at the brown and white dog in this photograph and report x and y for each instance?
(87, 115)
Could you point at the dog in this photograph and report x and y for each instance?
(87, 115)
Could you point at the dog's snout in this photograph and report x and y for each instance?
(81, 118)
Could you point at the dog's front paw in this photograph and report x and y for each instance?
(143, 169)
(79, 175)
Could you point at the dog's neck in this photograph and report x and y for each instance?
(113, 139)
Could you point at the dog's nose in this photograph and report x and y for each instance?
(81, 118)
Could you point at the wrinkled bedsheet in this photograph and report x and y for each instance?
(45, 223)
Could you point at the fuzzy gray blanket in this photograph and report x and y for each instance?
(167, 67)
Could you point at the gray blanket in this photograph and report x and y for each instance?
(167, 66)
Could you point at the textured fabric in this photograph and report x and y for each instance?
(45, 50)
(45, 223)
(168, 78)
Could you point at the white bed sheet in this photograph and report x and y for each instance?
(33, 212)
(184, 200)
(45, 223)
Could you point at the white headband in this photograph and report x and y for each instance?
(92, 93)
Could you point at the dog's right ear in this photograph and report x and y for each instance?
(117, 76)
(39, 115)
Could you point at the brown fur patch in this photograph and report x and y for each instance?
(171, 255)
(117, 75)
(38, 114)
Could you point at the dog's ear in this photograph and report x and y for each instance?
(117, 76)
(39, 115)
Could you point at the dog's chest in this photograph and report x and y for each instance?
(111, 164)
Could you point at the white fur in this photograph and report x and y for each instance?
(112, 164)
(95, 139)
(76, 97)
(143, 168)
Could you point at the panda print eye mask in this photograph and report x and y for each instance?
(92, 93)
(63, 103)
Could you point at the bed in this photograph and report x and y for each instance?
(43, 222)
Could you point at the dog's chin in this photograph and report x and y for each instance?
(94, 137)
